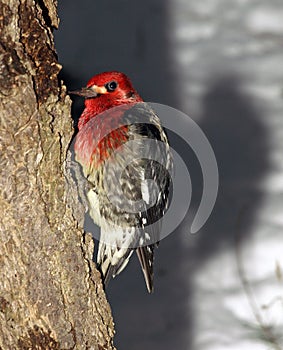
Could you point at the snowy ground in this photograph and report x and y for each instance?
(219, 61)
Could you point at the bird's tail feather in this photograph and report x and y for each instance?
(146, 256)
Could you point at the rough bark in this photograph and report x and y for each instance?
(51, 296)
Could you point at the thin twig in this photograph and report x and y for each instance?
(266, 329)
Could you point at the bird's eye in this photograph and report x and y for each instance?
(111, 86)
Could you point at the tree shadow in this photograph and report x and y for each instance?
(240, 141)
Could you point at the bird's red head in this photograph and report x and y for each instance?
(104, 91)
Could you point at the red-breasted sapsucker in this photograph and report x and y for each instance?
(125, 156)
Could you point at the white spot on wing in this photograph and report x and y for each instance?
(147, 236)
(145, 191)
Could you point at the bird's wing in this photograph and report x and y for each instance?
(133, 195)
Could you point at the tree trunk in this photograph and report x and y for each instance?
(51, 296)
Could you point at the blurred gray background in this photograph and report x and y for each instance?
(220, 62)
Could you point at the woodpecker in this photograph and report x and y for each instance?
(125, 157)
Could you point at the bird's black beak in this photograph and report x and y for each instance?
(90, 92)
(84, 92)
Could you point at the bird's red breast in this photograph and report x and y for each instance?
(99, 131)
